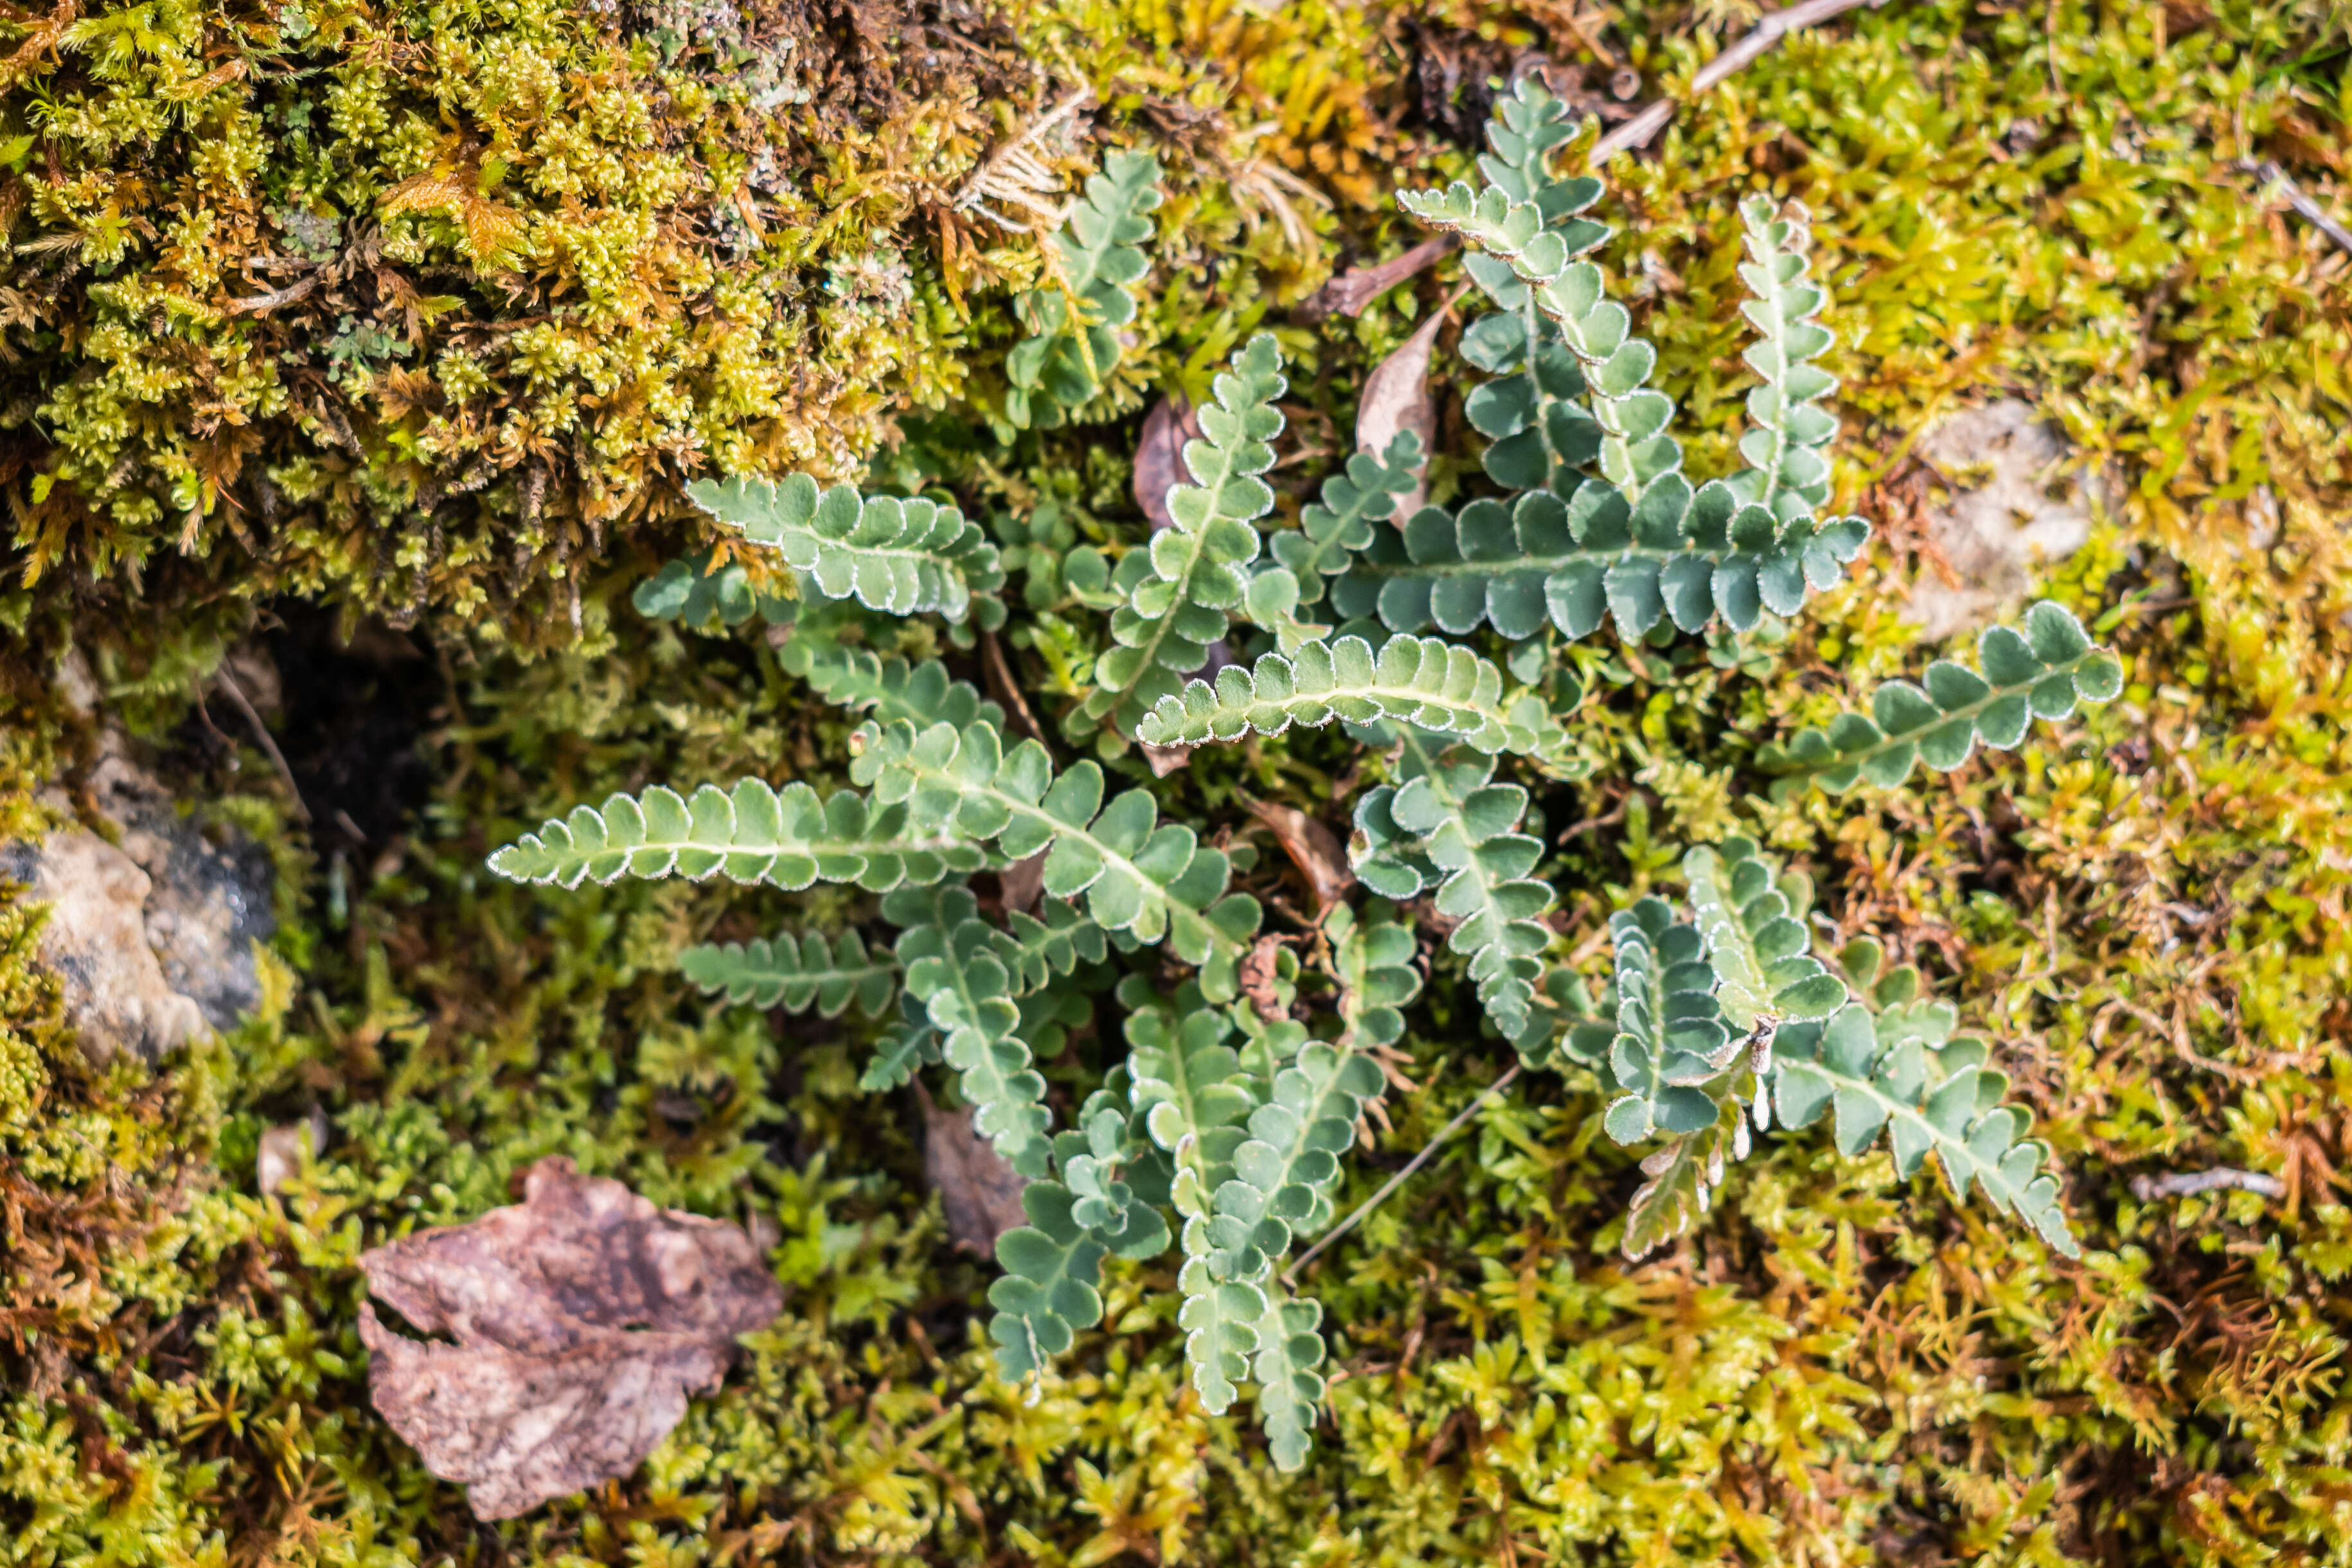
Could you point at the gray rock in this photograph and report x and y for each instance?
(2022, 513)
(153, 939)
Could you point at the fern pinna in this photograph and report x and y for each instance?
(1436, 643)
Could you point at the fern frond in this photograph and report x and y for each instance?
(1074, 343)
(901, 1051)
(1756, 938)
(2042, 672)
(953, 968)
(1111, 1169)
(1364, 492)
(1787, 470)
(1636, 451)
(1179, 592)
(794, 972)
(1682, 1176)
(1929, 1099)
(1672, 1040)
(1437, 686)
(750, 834)
(1140, 876)
(1449, 828)
(886, 690)
(1037, 950)
(903, 557)
(1289, 1368)
(1681, 555)
(688, 592)
(1051, 1285)
(1373, 964)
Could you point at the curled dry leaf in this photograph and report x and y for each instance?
(978, 1188)
(1312, 847)
(1259, 980)
(1165, 760)
(583, 1316)
(1159, 457)
(1396, 397)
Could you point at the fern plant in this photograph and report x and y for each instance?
(1251, 1058)
(1074, 318)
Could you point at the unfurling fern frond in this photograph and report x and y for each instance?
(1888, 1074)
(1138, 875)
(1179, 593)
(1436, 686)
(794, 972)
(1074, 328)
(886, 690)
(2042, 672)
(903, 557)
(787, 838)
(1448, 828)
(1755, 938)
(1681, 556)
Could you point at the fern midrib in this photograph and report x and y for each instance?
(893, 551)
(1972, 712)
(813, 976)
(942, 844)
(1544, 563)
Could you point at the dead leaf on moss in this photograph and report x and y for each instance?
(978, 1188)
(1397, 398)
(583, 1316)
(2021, 510)
(1159, 457)
(1312, 847)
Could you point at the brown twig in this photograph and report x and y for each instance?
(993, 664)
(258, 304)
(1290, 1275)
(269, 742)
(1760, 40)
(2312, 213)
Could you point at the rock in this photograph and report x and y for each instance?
(1993, 536)
(153, 939)
(96, 940)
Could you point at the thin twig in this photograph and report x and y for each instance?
(1653, 118)
(2188, 1184)
(259, 304)
(1290, 1275)
(269, 742)
(2315, 215)
(994, 665)
(1352, 292)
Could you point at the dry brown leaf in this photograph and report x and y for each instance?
(979, 1191)
(1259, 981)
(1165, 760)
(1159, 457)
(1396, 397)
(583, 1316)
(1312, 849)
(1022, 883)
(1351, 292)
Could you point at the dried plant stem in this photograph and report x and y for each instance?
(1760, 40)
(1290, 1275)
(269, 742)
(2312, 213)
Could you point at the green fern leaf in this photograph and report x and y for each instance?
(1421, 682)
(953, 967)
(687, 591)
(886, 690)
(1139, 876)
(750, 834)
(1074, 341)
(1756, 938)
(1877, 1074)
(1449, 828)
(1051, 1284)
(1289, 1369)
(1680, 555)
(2042, 672)
(1330, 531)
(1180, 592)
(901, 1051)
(793, 973)
(1787, 470)
(1672, 1042)
(903, 557)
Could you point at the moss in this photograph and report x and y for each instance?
(2144, 909)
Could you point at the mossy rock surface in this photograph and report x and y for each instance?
(567, 260)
